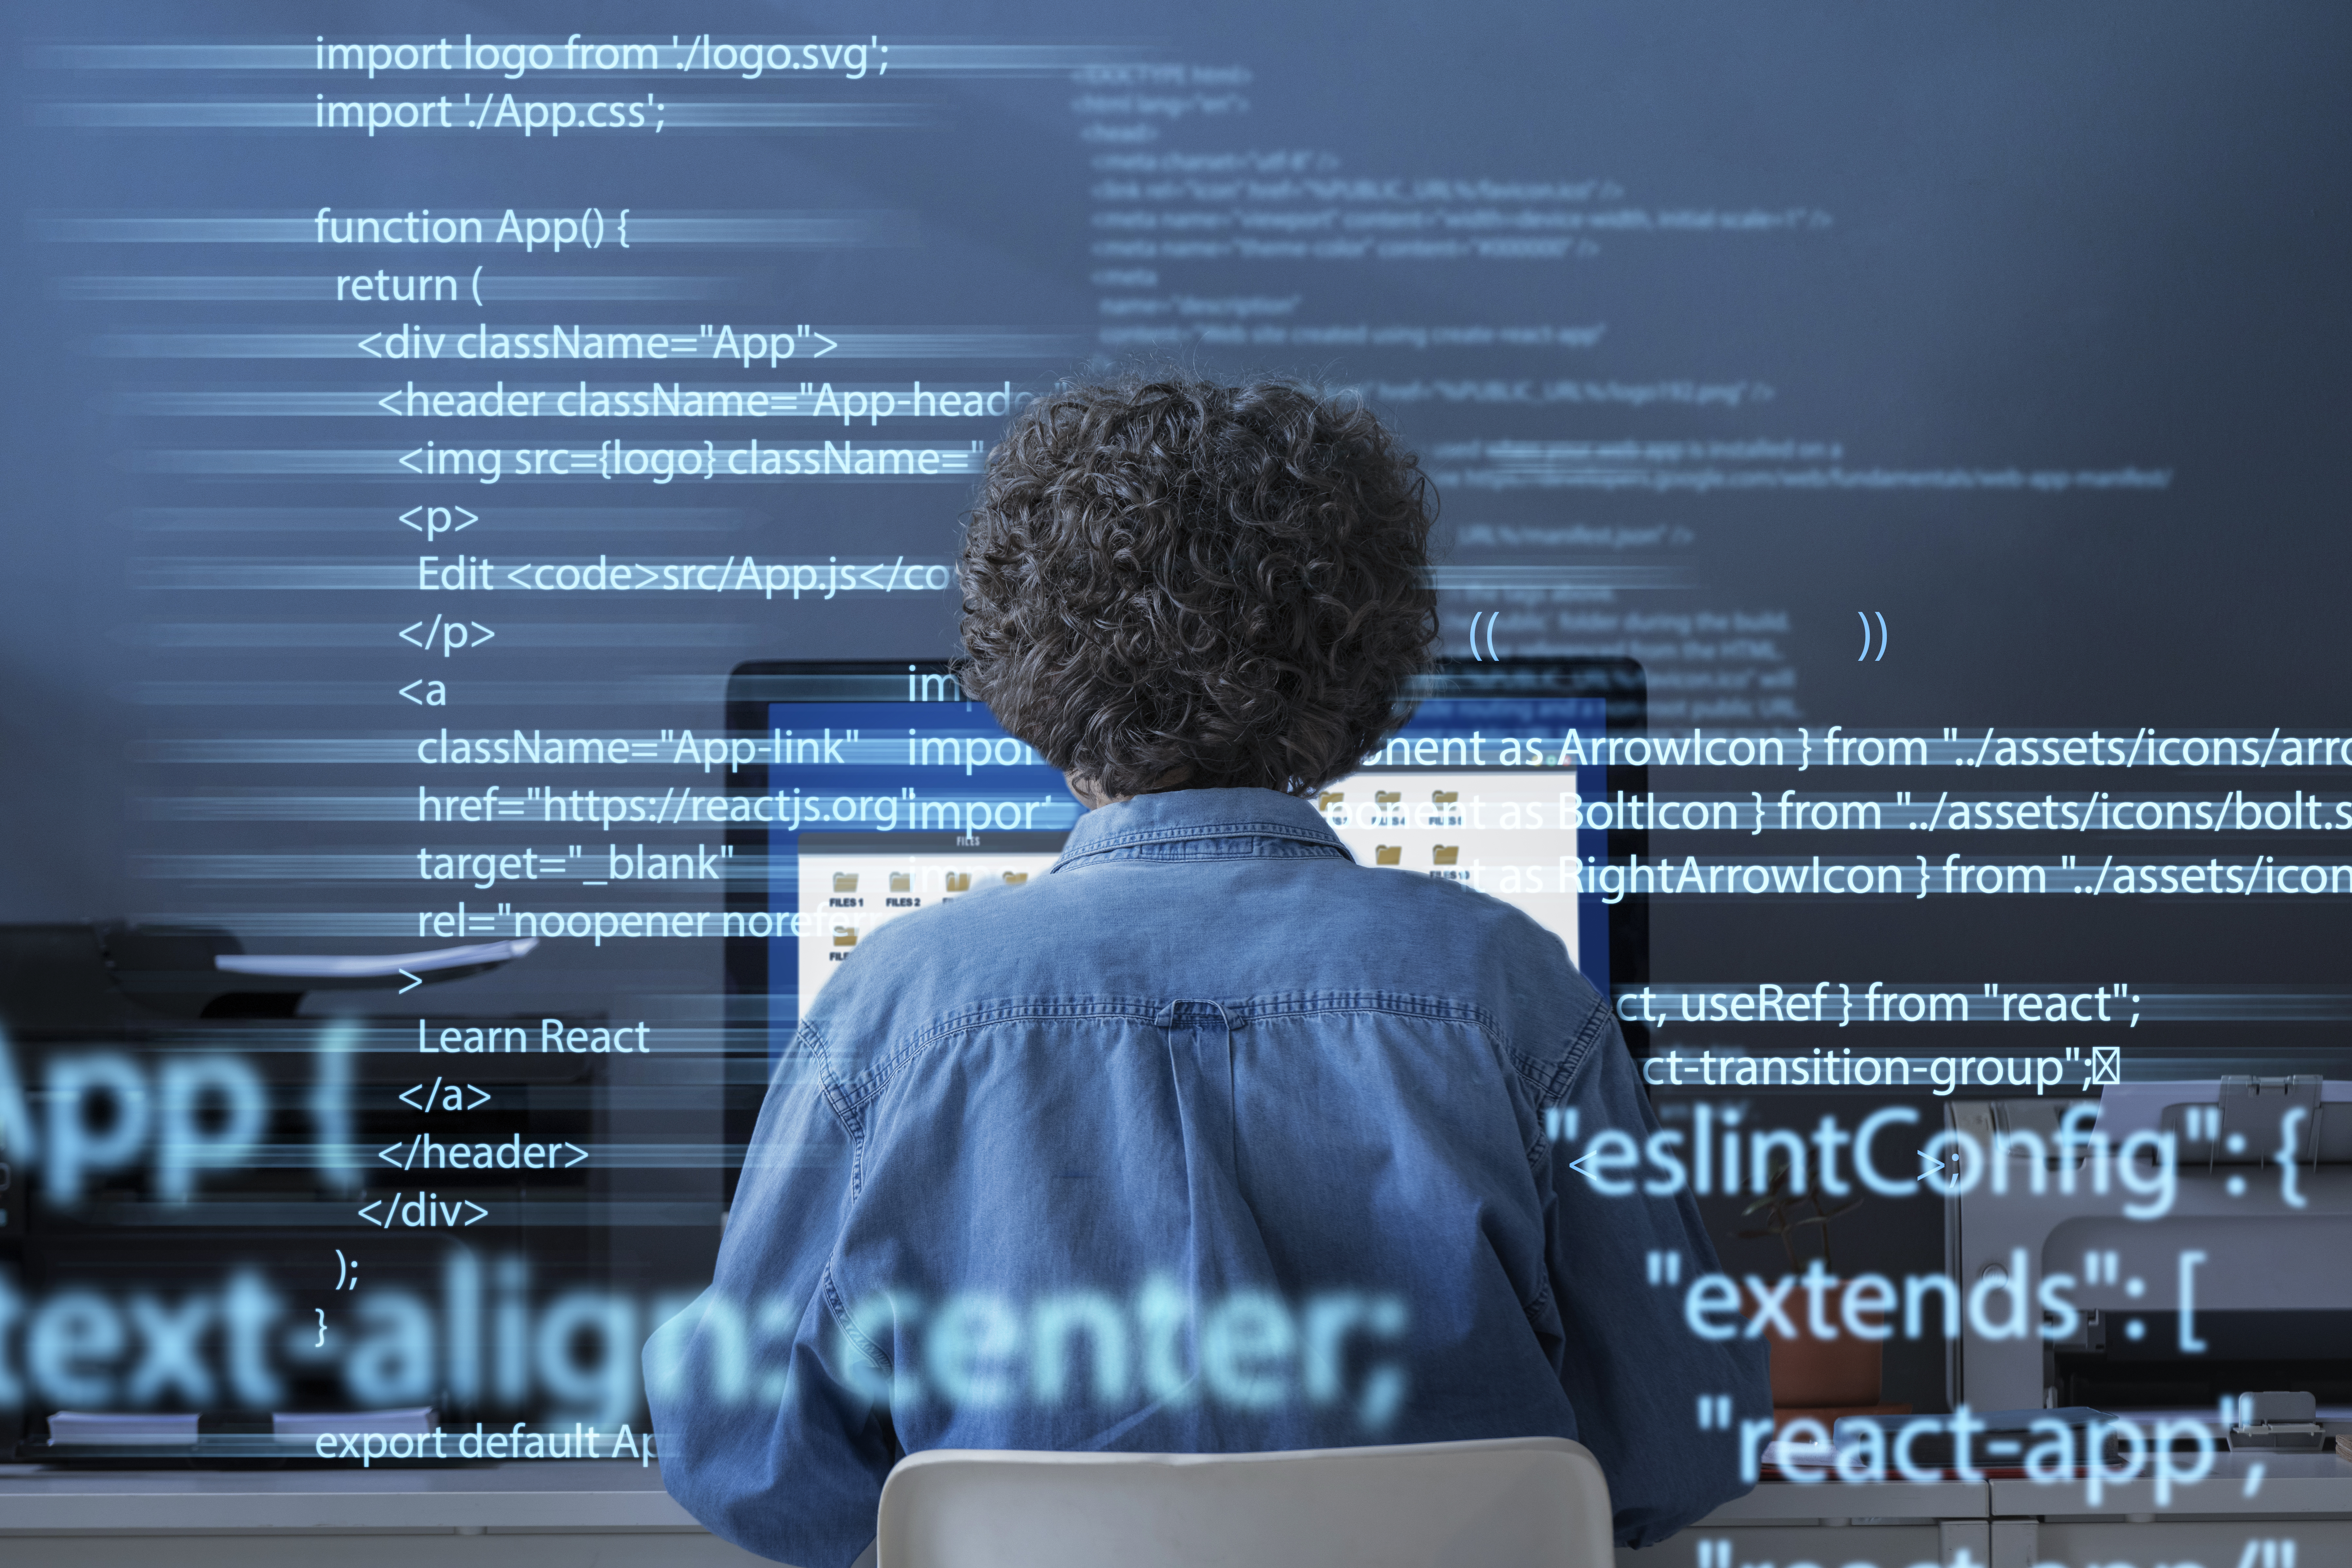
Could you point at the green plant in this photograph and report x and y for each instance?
(1785, 1221)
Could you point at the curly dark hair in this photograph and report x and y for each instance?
(1168, 582)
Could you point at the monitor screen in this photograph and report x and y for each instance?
(881, 788)
(851, 884)
(1491, 792)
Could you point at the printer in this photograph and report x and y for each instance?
(2201, 1231)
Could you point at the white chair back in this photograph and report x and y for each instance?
(1518, 1502)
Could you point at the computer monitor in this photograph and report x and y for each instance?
(864, 791)
(852, 883)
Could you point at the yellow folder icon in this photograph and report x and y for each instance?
(1329, 798)
(1447, 854)
(902, 882)
(1444, 796)
(1016, 877)
(959, 881)
(845, 936)
(1387, 854)
(1386, 796)
(845, 881)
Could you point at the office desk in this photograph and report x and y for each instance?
(2306, 1498)
(2302, 1498)
(613, 1514)
(584, 1514)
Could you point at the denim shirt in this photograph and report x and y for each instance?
(1208, 1140)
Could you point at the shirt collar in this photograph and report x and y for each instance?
(1173, 815)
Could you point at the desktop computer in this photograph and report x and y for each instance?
(864, 792)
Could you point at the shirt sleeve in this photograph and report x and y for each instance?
(1631, 1367)
(764, 1435)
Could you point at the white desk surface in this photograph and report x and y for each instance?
(570, 1495)
(597, 1494)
